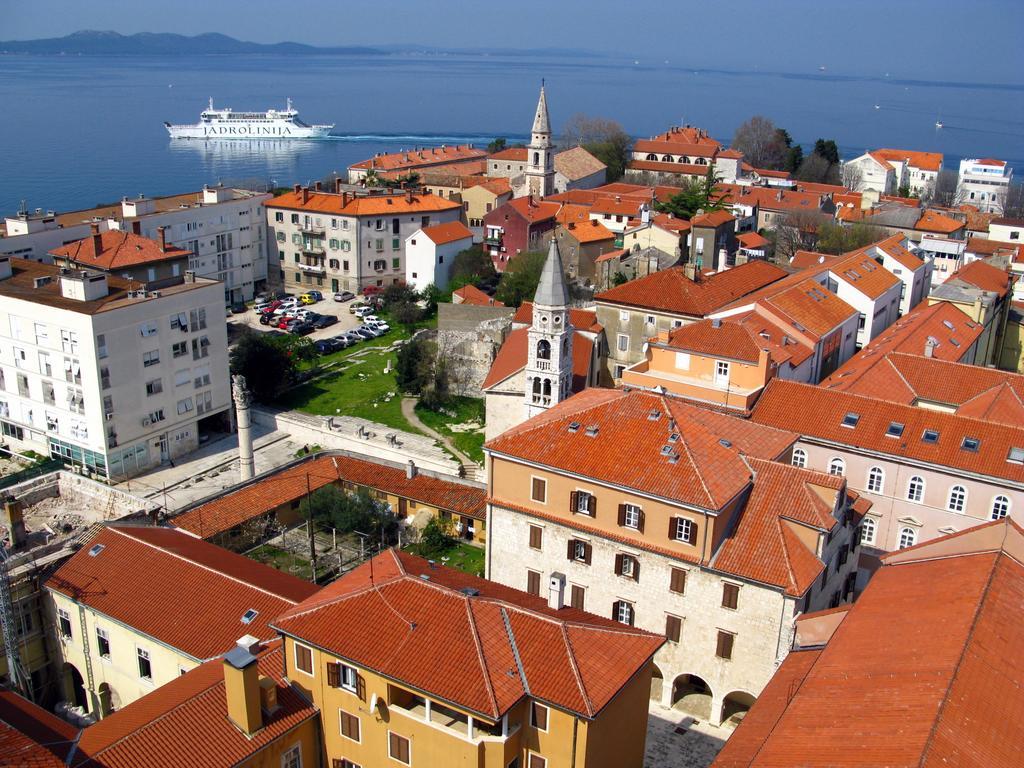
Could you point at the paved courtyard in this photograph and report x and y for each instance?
(676, 740)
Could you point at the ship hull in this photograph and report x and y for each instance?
(243, 131)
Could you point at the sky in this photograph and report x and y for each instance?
(957, 40)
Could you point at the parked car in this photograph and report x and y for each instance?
(305, 314)
(286, 320)
(351, 337)
(355, 307)
(237, 308)
(364, 311)
(260, 306)
(365, 334)
(300, 328)
(380, 325)
(343, 339)
(344, 296)
(324, 321)
(307, 298)
(268, 319)
(374, 333)
(327, 346)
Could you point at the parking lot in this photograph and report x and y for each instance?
(346, 320)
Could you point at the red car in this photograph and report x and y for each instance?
(271, 307)
(283, 323)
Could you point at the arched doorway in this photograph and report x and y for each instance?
(74, 687)
(109, 700)
(735, 707)
(692, 695)
(657, 684)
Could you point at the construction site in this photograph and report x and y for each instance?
(43, 521)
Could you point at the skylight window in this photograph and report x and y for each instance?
(95, 549)
(948, 324)
(249, 615)
(971, 444)
(895, 429)
(930, 436)
(1016, 455)
(850, 419)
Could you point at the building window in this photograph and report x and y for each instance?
(304, 659)
(623, 316)
(683, 361)
(151, 358)
(103, 643)
(577, 596)
(536, 537)
(682, 529)
(673, 628)
(868, 530)
(536, 761)
(398, 748)
(721, 372)
(64, 623)
(724, 646)
(292, 758)
(1000, 507)
(957, 499)
(799, 458)
(583, 503)
(533, 583)
(579, 551)
(915, 489)
(677, 581)
(622, 612)
(837, 467)
(622, 342)
(341, 676)
(538, 716)
(631, 516)
(349, 725)
(145, 667)
(628, 566)
(539, 489)
(908, 537)
(876, 479)
(730, 595)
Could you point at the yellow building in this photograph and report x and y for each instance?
(419, 665)
(119, 633)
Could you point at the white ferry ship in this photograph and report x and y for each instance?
(228, 124)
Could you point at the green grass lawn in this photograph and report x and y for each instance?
(465, 409)
(463, 556)
(281, 559)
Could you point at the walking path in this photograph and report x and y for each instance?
(409, 411)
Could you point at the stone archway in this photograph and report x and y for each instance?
(74, 687)
(109, 701)
(692, 694)
(735, 707)
(657, 684)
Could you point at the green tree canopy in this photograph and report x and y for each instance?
(603, 138)
(497, 145)
(267, 362)
(695, 195)
(350, 511)
(472, 265)
(519, 281)
(839, 238)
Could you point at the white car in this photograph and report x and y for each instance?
(258, 308)
(379, 325)
(303, 314)
(364, 311)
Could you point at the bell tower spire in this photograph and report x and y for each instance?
(540, 164)
(549, 339)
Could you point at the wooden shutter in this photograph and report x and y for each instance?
(398, 747)
(693, 533)
(533, 582)
(673, 628)
(587, 551)
(574, 500)
(677, 583)
(571, 549)
(538, 716)
(622, 514)
(724, 649)
(615, 610)
(578, 596)
(536, 536)
(334, 674)
(636, 569)
(361, 687)
(672, 521)
(730, 595)
(640, 521)
(618, 565)
(592, 505)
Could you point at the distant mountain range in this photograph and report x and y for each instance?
(90, 42)
(94, 43)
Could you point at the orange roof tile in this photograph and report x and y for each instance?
(572, 212)
(420, 158)
(810, 305)
(512, 357)
(130, 578)
(185, 722)
(533, 210)
(991, 161)
(820, 417)
(712, 219)
(266, 493)
(30, 736)
(752, 240)
(117, 250)
(669, 290)
(362, 205)
(721, 338)
(592, 231)
(894, 247)
(880, 160)
(516, 154)
(687, 134)
(863, 274)
(771, 198)
(449, 232)
(984, 276)
(913, 666)
(933, 221)
(671, 147)
(926, 161)
(805, 259)
(577, 163)
(395, 625)
(984, 247)
(470, 294)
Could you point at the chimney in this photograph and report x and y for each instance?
(296, 188)
(410, 470)
(161, 235)
(344, 199)
(778, 195)
(318, 187)
(97, 239)
(556, 591)
(408, 196)
(690, 270)
(136, 227)
(305, 194)
(242, 687)
(716, 322)
(338, 184)
(12, 517)
(929, 347)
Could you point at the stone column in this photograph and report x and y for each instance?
(242, 398)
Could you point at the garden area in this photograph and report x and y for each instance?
(437, 542)
(462, 420)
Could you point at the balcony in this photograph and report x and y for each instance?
(308, 247)
(316, 269)
(440, 716)
(493, 239)
(543, 365)
(312, 231)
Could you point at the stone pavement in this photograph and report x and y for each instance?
(676, 740)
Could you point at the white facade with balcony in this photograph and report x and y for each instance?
(984, 183)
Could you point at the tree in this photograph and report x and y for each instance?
(852, 176)
(519, 282)
(347, 512)
(414, 367)
(838, 238)
(796, 231)
(436, 537)
(942, 191)
(619, 278)
(1013, 201)
(497, 145)
(406, 313)
(472, 265)
(762, 144)
(603, 138)
(794, 152)
(816, 168)
(827, 149)
(695, 195)
(267, 362)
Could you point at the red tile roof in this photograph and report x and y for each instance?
(669, 290)
(926, 161)
(820, 412)
(30, 736)
(752, 240)
(771, 198)
(185, 722)
(991, 161)
(117, 250)
(810, 306)
(470, 294)
(531, 209)
(362, 205)
(912, 668)
(580, 319)
(895, 247)
(720, 338)
(807, 259)
(415, 623)
(686, 134)
(449, 232)
(933, 221)
(266, 493)
(517, 154)
(662, 146)
(130, 579)
(986, 247)
(512, 358)
(592, 231)
(863, 274)
(712, 219)
(420, 158)
(984, 276)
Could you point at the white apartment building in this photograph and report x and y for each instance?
(222, 226)
(886, 171)
(105, 376)
(339, 241)
(946, 256)
(430, 253)
(984, 183)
